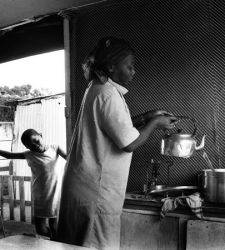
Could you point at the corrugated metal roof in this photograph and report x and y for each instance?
(33, 100)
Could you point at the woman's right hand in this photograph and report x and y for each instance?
(165, 122)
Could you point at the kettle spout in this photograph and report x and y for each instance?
(202, 144)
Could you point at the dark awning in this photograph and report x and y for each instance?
(33, 38)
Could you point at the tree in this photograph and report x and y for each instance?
(14, 94)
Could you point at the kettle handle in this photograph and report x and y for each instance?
(179, 117)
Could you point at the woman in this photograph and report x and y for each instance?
(100, 155)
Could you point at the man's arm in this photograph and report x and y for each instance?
(62, 153)
(10, 155)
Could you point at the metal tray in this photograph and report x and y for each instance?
(162, 188)
(159, 192)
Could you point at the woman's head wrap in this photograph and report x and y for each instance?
(27, 135)
(109, 51)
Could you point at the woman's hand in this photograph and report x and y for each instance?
(157, 119)
(165, 121)
(155, 116)
(153, 113)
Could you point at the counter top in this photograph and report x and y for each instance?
(21, 242)
(211, 211)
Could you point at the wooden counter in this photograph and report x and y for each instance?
(213, 211)
(143, 229)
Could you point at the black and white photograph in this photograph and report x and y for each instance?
(112, 125)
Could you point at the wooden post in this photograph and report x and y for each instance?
(32, 203)
(1, 194)
(22, 198)
(2, 230)
(66, 27)
(11, 197)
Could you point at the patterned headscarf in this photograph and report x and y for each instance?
(109, 51)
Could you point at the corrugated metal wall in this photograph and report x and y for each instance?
(47, 117)
(180, 51)
(6, 137)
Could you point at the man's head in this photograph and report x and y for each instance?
(33, 140)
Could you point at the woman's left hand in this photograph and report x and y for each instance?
(153, 113)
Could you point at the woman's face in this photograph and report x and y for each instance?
(123, 72)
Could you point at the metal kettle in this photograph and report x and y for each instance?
(181, 145)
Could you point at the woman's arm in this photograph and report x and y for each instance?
(141, 120)
(62, 153)
(160, 122)
(10, 155)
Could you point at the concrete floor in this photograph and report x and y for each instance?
(16, 227)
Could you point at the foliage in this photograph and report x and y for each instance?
(14, 94)
(6, 114)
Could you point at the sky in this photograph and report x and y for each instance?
(41, 71)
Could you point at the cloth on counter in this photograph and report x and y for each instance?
(194, 201)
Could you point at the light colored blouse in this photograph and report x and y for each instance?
(104, 128)
(97, 169)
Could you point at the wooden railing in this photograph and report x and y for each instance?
(10, 183)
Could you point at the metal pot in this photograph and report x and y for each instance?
(212, 184)
(181, 145)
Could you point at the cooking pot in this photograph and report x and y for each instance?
(181, 145)
(212, 184)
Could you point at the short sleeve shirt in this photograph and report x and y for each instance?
(97, 163)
